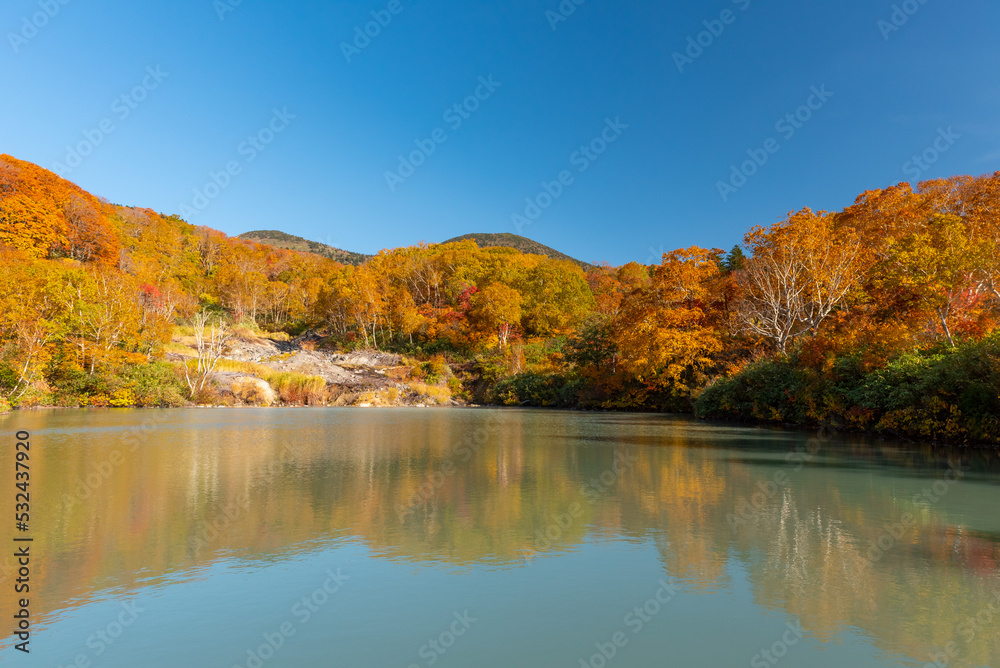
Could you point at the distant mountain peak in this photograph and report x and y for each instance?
(523, 244)
(291, 242)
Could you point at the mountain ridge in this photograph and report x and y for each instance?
(523, 244)
(279, 239)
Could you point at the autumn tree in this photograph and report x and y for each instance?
(104, 317)
(556, 297)
(800, 270)
(29, 225)
(88, 236)
(664, 332)
(212, 337)
(496, 309)
(939, 265)
(32, 315)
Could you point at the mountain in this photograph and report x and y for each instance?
(291, 242)
(520, 243)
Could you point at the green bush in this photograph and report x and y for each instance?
(941, 395)
(533, 389)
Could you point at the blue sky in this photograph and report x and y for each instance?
(264, 89)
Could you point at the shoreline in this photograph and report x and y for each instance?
(882, 439)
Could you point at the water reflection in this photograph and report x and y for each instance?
(886, 540)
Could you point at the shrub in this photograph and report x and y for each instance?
(533, 389)
(297, 388)
(431, 393)
(250, 393)
(942, 395)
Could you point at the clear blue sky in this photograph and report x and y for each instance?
(655, 187)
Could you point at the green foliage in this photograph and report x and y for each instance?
(155, 385)
(534, 389)
(433, 372)
(950, 395)
(8, 377)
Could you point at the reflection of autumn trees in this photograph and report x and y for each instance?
(222, 485)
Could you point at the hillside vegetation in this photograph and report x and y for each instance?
(881, 317)
(523, 244)
(291, 242)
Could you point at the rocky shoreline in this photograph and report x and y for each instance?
(252, 369)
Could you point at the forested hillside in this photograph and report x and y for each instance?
(292, 242)
(879, 317)
(517, 242)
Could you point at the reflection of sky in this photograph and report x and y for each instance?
(332, 504)
(550, 612)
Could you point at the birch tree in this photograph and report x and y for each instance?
(800, 271)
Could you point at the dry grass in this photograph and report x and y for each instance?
(245, 333)
(291, 387)
(250, 393)
(297, 388)
(432, 393)
(180, 349)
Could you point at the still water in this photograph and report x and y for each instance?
(480, 538)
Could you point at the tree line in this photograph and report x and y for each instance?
(91, 288)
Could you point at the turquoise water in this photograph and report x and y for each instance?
(481, 538)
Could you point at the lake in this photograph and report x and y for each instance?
(487, 538)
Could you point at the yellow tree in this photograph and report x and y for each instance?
(663, 332)
(556, 297)
(939, 265)
(29, 225)
(243, 285)
(88, 236)
(496, 309)
(105, 316)
(367, 303)
(800, 271)
(31, 316)
(981, 211)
